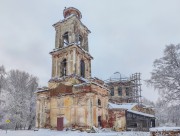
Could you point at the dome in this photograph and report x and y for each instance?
(118, 77)
(72, 11)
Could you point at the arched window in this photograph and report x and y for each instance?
(80, 40)
(63, 67)
(99, 102)
(127, 91)
(120, 91)
(82, 68)
(112, 91)
(65, 39)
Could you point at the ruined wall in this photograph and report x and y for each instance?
(72, 108)
(79, 107)
(61, 107)
(43, 110)
(52, 85)
(78, 110)
(97, 105)
(58, 58)
(117, 119)
(75, 30)
(102, 95)
(74, 27)
(73, 56)
(125, 93)
(81, 56)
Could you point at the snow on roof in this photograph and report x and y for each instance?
(57, 78)
(71, 44)
(64, 19)
(141, 113)
(147, 106)
(90, 82)
(103, 86)
(84, 79)
(43, 89)
(127, 106)
(69, 76)
(165, 129)
(67, 17)
(82, 84)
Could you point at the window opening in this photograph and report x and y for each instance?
(65, 39)
(112, 91)
(99, 102)
(82, 68)
(80, 40)
(120, 91)
(63, 67)
(127, 92)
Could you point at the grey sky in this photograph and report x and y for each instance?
(127, 35)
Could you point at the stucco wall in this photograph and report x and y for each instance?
(117, 119)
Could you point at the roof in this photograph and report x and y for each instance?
(43, 89)
(69, 76)
(69, 45)
(128, 107)
(84, 81)
(71, 11)
(141, 113)
(61, 89)
(90, 82)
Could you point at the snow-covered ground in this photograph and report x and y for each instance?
(45, 132)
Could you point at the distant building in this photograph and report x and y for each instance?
(73, 98)
(123, 89)
(126, 111)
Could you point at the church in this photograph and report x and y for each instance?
(74, 99)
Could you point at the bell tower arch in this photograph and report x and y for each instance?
(71, 52)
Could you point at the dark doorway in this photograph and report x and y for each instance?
(60, 123)
(153, 123)
(99, 121)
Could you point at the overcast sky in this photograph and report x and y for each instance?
(127, 35)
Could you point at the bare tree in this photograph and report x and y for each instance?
(2, 77)
(165, 76)
(167, 114)
(2, 98)
(148, 102)
(21, 98)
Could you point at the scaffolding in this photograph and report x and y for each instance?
(133, 83)
(136, 87)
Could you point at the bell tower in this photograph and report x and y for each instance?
(71, 54)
